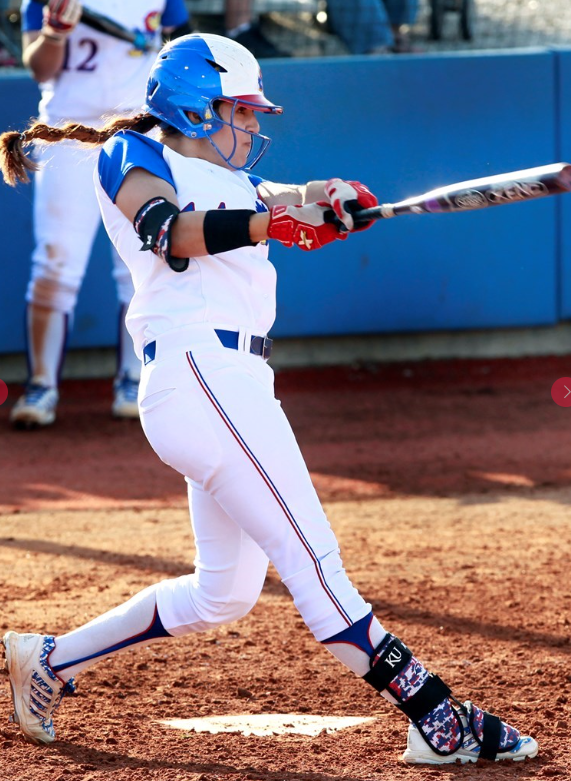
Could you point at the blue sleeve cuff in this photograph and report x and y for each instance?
(31, 16)
(255, 180)
(127, 150)
(175, 14)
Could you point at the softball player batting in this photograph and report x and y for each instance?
(83, 74)
(192, 224)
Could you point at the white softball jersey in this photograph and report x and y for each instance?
(208, 410)
(101, 74)
(234, 289)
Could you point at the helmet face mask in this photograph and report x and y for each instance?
(258, 142)
(194, 72)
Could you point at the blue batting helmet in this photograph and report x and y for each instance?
(195, 71)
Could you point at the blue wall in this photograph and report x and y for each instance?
(563, 109)
(402, 125)
(405, 125)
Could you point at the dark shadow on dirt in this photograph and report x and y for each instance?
(466, 428)
(468, 626)
(144, 563)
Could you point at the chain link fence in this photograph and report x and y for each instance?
(499, 24)
(313, 28)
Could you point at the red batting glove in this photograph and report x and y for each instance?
(61, 16)
(347, 198)
(304, 226)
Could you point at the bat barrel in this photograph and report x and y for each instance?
(526, 185)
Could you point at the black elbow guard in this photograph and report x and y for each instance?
(153, 224)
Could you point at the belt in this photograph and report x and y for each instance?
(259, 345)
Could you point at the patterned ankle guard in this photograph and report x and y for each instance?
(428, 703)
(421, 696)
(477, 718)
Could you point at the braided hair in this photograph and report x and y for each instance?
(15, 162)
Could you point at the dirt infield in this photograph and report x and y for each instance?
(448, 485)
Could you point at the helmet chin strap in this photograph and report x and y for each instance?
(251, 160)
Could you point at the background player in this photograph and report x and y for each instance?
(204, 301)
(242, 27)
(82, 74)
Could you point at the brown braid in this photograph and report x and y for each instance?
(15, 163)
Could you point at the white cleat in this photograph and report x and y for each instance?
(36, 408)
(36, 690)
(125, 403)
(418, 752)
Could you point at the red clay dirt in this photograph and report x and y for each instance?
(448, 484)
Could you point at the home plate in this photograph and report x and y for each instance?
(267, 723)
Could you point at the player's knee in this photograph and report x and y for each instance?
(57, 273)
(52, 293)
(187, 607)
(59, 256)
(54, 283)
(217, 611)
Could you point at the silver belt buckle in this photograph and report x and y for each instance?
(267, 348)
(262, 346)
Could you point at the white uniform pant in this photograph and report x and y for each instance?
(66, 219)
(210, 413)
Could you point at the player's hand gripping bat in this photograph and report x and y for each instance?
(478, 193)
(105, 25)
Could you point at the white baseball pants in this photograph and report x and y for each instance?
(66, 218)
(210, 413)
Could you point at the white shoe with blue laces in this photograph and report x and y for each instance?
(125, 403)
(36, 408)
(36, 690)
(418, 752)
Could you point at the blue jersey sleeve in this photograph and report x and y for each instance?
(32, 16)
(175, 14)
(255, 180)
(127, 150)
